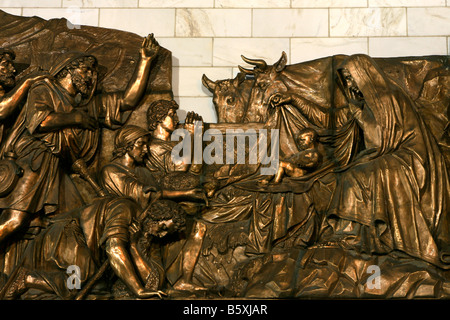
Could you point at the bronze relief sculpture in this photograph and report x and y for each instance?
(342, 191)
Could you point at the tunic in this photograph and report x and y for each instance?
(78, 238)
(121, 181)
(46, 157)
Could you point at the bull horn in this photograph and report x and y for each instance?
(246, 71)
(208, 83)
(281, 64)
(259, 63)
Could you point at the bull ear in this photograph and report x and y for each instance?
(281, 64)
(240, 77)
(208, 83)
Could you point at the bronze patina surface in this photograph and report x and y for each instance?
(351, 198)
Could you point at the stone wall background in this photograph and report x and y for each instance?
(209, 36)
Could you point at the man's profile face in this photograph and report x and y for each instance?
(139, 150)
(7, 72)
(170, 122)
(83, 79)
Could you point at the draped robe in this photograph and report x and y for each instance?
(395, 194)
(121, 181)
(78, 238)
(46, 157)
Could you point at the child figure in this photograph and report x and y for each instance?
(306, 160)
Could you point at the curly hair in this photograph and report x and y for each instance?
(88, 61)
(7, 52)
(165, 210)
(158, 111)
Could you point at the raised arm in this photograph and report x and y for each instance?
(138, 83)
(11, 100)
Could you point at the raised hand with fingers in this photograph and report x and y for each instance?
(150, 47)
(190, 121)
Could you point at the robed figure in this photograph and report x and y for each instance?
(42, 152)
(395, 194)
(60, 125)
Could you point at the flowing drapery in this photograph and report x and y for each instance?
(397, 190)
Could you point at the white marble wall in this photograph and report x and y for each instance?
(209, 36)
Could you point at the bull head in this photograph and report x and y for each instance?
(268, 81)
(228, 98)
(261, 65)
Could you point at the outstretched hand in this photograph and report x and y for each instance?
(38, 74)
(146, 294)
(160, 294)
(150, 47)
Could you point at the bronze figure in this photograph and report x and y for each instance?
(12, 92)
(56, 125)
(95, 235)
(351, 198)
(302, 162)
